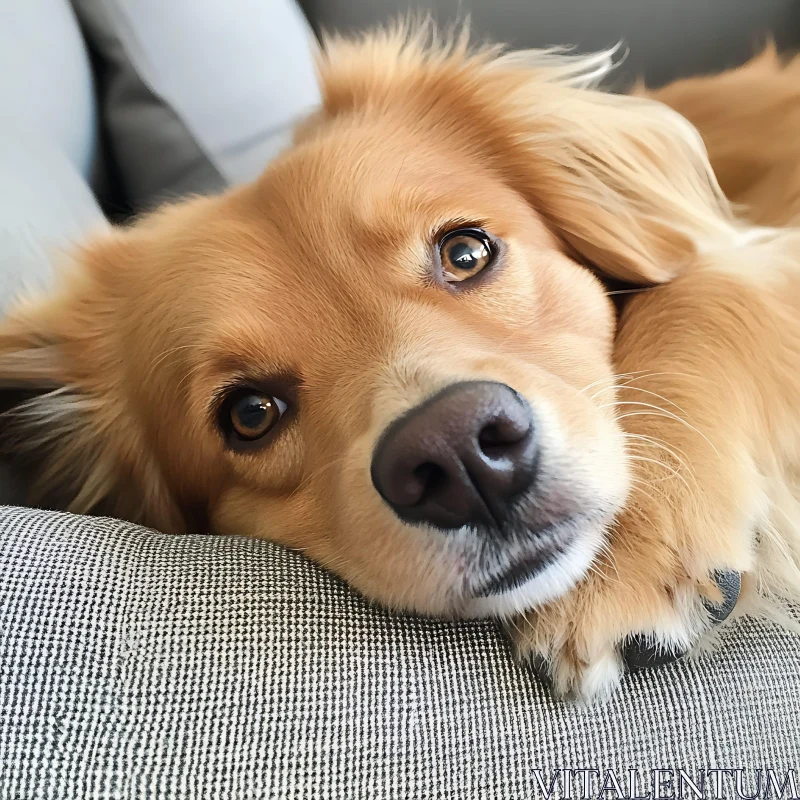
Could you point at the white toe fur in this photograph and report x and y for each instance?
(601, 678)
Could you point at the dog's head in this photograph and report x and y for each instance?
(391, 351)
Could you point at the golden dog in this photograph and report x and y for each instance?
(395, 350)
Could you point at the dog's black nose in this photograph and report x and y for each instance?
(458, 458)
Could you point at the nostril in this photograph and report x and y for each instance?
(431, 477)
(495, 440)
(492, 447)
(415, 487)
(489, 437)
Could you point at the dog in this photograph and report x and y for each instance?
(398, 350)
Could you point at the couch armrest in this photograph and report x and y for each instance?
(135, 664)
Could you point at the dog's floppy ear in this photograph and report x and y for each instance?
(66, 424)
(624, 181)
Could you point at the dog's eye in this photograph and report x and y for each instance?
(464, 253)
(249, 414)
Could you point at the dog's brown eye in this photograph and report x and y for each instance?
(465, 253)
(252, 414)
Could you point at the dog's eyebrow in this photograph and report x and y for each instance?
(261, 380)
(225, 362)
(455, 223)
(225, 371)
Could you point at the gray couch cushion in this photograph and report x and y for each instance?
(138, 665)
(199, 94)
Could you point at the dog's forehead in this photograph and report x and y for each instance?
(331, 250)
(365, 186)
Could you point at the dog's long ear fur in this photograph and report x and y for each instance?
(67, 421)
(624, 181)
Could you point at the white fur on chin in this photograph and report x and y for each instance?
(554, 581)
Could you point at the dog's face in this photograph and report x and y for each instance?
(393, 365)
(387, 352)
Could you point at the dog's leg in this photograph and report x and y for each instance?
(710, 376)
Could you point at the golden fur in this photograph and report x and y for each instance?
(675, 429)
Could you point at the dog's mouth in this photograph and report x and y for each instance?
(519, 573)
(528, 572)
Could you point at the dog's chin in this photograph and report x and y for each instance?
(530, 582)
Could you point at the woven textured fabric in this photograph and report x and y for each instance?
(138, 665)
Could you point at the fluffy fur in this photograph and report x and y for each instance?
(670, 435)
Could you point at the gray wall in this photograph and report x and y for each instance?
(667, 38)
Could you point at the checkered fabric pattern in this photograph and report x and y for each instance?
(139, 665)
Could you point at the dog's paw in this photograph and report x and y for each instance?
(582, 645)
(642, 651)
